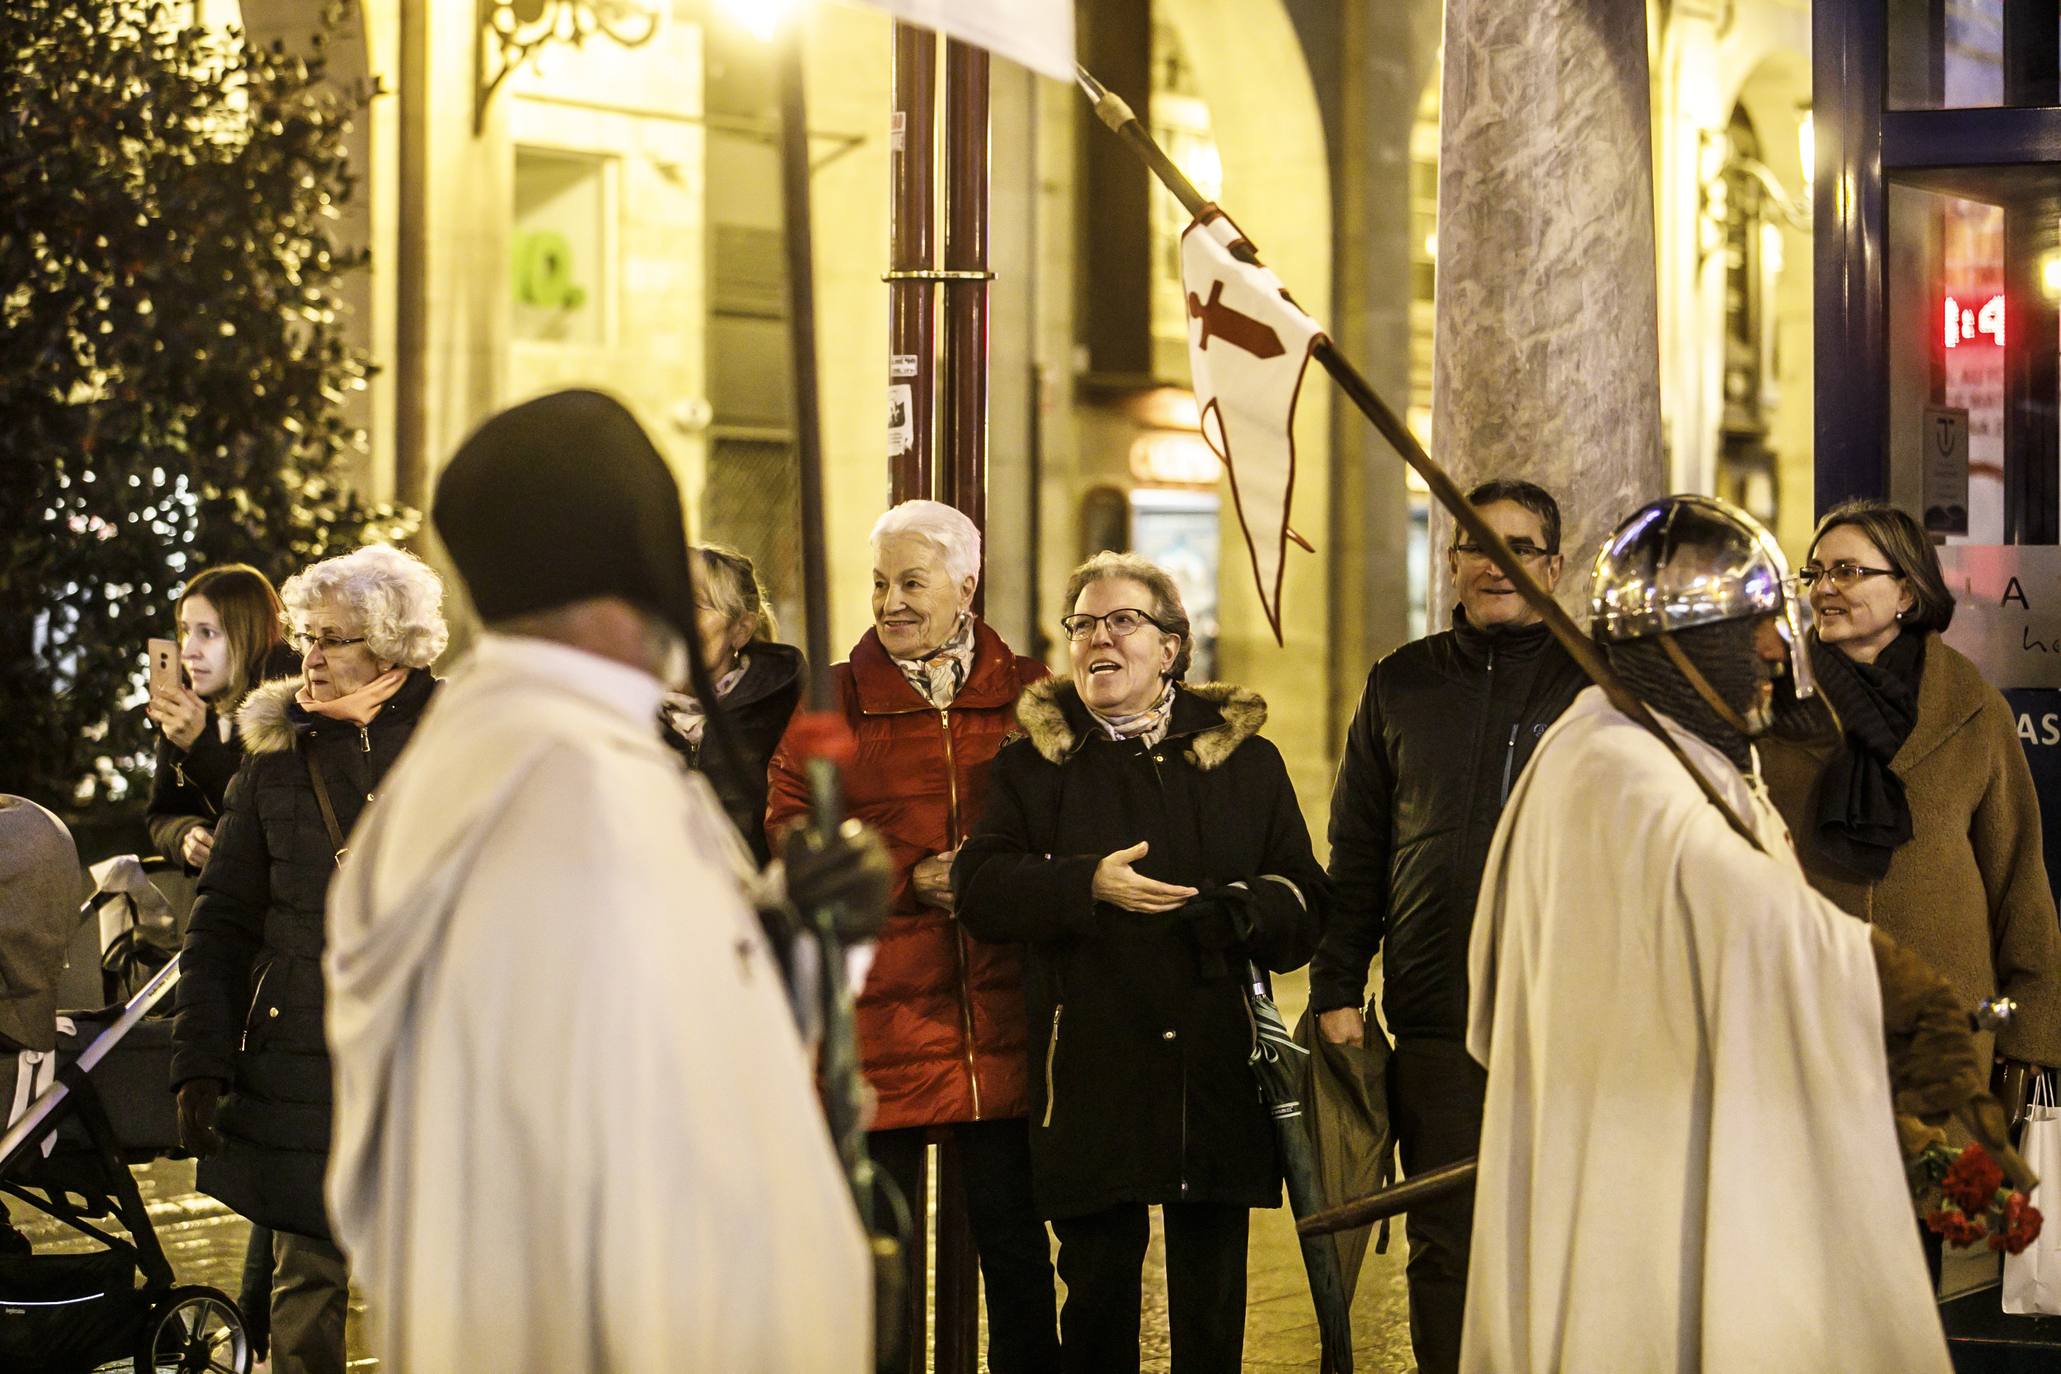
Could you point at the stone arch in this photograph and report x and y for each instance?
(1773, 94)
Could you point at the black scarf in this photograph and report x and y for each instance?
(1863, 814)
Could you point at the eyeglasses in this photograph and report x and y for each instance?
(1525, 550)
(329, 644)
(1841, 574)
(1124, 622)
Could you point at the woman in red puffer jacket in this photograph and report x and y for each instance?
(930, 693)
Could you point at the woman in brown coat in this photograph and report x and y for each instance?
(1920, 816)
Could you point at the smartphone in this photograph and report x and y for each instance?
(164, 665)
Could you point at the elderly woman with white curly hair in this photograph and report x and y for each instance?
(250, 1064)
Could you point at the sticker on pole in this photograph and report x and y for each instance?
(901, 419)
(1248, 347)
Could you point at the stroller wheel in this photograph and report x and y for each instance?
(194, 1331)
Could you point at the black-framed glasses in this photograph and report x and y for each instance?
(1842, 574)
(1525, 550)
(329, 644)
(1125, 620)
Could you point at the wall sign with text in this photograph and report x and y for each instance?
(2007, 617)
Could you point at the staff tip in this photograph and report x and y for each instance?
(1109, 106)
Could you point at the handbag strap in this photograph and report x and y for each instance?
(336, 839)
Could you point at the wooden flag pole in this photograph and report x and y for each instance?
(1111, 110)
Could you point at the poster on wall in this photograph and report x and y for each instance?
(2007, 620)
(2038, 714)
(2007, 612)
(1946, 470)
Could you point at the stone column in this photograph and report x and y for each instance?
(1547, 355)
(1387, 54)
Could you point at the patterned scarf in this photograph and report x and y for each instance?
(1149, 725)
(358, 707)
(685, 714)
(939, 675)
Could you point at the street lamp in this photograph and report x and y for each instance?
(760, 18)
(511, 32)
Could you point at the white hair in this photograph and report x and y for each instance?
(396, 598)
(944, 526)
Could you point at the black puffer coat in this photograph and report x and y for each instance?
(189, 786)
(756, 713)
(1139, 1030)
(1443, 729)
(250, 987)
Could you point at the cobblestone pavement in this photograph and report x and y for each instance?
(206, 1245)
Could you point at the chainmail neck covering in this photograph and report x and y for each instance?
(1724, 654)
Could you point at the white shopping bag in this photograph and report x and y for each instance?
(2032, 1279)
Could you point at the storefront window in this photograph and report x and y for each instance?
(1969, 54)
(1974, 339)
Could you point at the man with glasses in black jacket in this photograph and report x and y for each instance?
(1443, 729)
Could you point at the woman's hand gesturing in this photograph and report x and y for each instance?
(1117, 883)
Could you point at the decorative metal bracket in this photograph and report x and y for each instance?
(512, 31)
(935, 274)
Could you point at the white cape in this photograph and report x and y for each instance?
(575, 1128)
(1688, 1158)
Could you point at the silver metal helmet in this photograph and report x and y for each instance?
(1688, 560)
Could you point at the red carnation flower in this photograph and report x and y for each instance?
(1972, 1181)
(1959, 1229)
(2021, 1223)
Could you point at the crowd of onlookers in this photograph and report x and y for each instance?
(1086, 871)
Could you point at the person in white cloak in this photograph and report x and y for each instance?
(1689, 1158)
(575, 1125)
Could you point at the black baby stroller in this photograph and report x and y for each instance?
(100, 1104)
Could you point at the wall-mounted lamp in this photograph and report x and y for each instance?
(1717, 162)
(512, 31)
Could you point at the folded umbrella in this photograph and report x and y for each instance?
(1346, 1111)
(1283, 1070)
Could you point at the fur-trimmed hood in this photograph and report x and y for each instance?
(263, 721)
(1212, 718)
(269, 719)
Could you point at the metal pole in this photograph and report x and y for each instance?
(962, 483)
(963, 415)
(911, 262)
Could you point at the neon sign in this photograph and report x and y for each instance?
(1968, 323)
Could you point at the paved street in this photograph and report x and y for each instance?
(206, 1245)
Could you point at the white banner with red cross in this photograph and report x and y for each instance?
(1248, 347)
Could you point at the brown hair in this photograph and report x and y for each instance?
(250, 614)
(1910, 553)
(730, 584)
(1167, 610)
